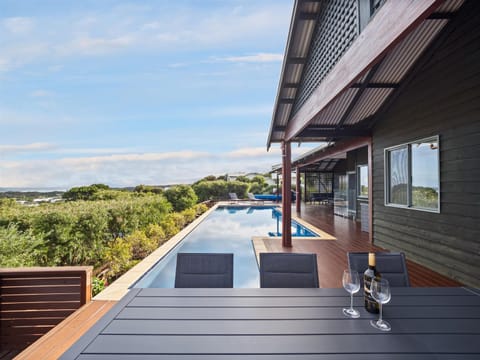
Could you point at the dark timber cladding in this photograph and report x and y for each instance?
(442, 98)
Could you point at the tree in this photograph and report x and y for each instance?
(84, 192)
(181, 197)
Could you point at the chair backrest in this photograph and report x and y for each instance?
(233, 196)
(288, 270)
(251, 196)
(204, 270)
(391, 266)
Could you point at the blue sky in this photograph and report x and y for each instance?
(139, 92)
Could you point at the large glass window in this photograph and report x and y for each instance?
(412, 175)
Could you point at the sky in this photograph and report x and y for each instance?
(137, 92)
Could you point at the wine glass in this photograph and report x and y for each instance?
(380, 290)
(351, 283)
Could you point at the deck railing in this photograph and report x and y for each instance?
(34, 300)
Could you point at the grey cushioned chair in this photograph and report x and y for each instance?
(280, 270)
(391, 266)
(204, 270)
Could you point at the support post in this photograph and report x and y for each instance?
(298, 202)
(286, 195)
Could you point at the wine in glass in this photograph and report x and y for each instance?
(351, 283)
(380, 290)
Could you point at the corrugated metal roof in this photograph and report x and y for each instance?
(367, 105)
(399, 61)
(333, 113)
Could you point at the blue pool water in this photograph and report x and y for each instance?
(226, 230)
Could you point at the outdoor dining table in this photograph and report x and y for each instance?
(427, 323)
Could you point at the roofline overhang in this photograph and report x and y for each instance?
(297, 15)
(392, 23)
(332, 151)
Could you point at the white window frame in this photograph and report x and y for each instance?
(409, 172)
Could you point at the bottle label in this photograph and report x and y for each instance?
(370, 304)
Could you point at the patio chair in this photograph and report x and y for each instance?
(287, 270)
(204, 270)
(391, 266)
(252, 197)
(233, 197)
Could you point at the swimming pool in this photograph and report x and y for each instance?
(228, 229)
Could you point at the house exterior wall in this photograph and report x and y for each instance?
(443, 99)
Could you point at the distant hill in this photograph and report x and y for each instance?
(29, 194)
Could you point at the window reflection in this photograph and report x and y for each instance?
(398, 170)
(363, 181)
(425, 175)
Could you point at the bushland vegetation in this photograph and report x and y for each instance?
(110, 229)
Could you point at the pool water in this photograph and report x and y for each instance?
(226, 230)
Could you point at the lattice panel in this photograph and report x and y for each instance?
(337, 28)
(376, 4)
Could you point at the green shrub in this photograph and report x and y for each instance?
(219, 189)
(181, 197)
(189, 215)
(97, 285)
(118, 256)
(142, 245)
(84, 192)
(169, 226)
(155, 232)
(200, 209)
(17, 248)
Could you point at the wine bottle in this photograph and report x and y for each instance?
(371, 273)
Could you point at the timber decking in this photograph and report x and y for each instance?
(34, 300)
(52, 345)
(332, 255)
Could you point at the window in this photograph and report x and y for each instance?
(362, 180)
(412, 176)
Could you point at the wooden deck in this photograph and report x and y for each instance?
(332, 260)
(52, 345)
(332, 255)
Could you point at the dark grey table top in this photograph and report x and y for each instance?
(427, 323)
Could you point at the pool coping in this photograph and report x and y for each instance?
(120, 287)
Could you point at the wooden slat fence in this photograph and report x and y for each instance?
(34, 300)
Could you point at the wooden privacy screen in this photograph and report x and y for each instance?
(34, 300)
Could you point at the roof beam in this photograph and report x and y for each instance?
(376, 86)
(335, 133)
(394, 21)
(296, 60)
(290, 85)
(307, 16)
(339, 147)
(441, 16)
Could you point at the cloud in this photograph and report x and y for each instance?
(134, 168)
(255, 58)
(18, 25)
(33, 147)
(162, 26)
(95, 46)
